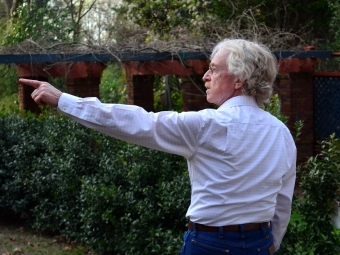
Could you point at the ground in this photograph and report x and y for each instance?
(17, 239)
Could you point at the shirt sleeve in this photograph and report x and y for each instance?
(166, 131)
(285, 195)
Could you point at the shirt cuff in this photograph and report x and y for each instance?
(67, 102)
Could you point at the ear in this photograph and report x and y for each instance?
(239, 84)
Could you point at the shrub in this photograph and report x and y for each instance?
(146, 198)
(313, 233)
(89, 187)
(17, 151)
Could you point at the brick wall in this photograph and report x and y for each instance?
(82, 79)
(194, 96)
(83, 87)
(295, 91)
(140, 91)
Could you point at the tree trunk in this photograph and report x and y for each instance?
(11, 6)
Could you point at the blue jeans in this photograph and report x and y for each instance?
(258, 242)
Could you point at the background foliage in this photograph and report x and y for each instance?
(8, 89)
(307, 19)
(47, 23)
(113, 85)
(103, 23)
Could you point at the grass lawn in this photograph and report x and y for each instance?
(15, 239)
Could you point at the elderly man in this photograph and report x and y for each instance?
(241, 160)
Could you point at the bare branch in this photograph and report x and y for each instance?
(91, 6)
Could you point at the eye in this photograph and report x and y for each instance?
(212, 69)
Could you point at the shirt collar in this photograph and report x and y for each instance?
(239, 101)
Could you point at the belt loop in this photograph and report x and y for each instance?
(220, 232)
(242, 233)
(263, 229)
(195, 230)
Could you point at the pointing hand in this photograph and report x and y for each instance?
(44, 93)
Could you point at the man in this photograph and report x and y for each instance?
(241, 159)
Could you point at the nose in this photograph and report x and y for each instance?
(206, 76)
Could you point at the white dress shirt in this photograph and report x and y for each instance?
(241, 160)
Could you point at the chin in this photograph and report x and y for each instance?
(209, 101)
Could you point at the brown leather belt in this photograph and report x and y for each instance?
(230, 228)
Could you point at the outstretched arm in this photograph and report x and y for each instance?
(44, 93)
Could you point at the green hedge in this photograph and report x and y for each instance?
(115, 197)
(310, 231)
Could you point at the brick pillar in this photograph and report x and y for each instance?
(194, 96)
(140, 91)
(26, 103)
(83, 87)
(296, 94)
(283, 87)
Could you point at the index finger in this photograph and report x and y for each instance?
(33, 83)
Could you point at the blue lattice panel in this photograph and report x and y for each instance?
(326, 107)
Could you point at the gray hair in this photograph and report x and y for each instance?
(253, 64)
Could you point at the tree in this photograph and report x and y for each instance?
(98, 23)
(57, 20)
(308, 19)
(77, 11)
(11, 6)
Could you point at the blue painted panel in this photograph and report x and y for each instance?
(303, 54)
(123, 57)
(326, 107)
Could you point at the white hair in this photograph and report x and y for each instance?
(253, 64)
